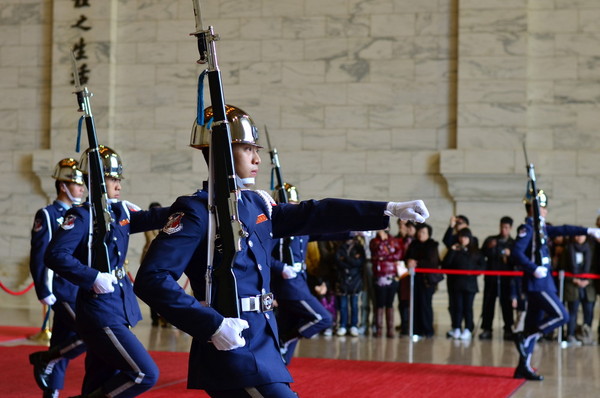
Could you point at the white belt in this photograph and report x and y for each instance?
(258, 303)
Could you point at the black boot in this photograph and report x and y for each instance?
(519, 340)
(523, 371)
(50, 394)
(43, 362)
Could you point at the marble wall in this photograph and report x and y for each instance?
(373, 99)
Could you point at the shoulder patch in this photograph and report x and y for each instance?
(69, 222)
(174, 223)
(37, 225)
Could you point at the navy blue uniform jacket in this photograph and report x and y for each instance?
(524, 258)
(47, 221)
(67, 255)
(181, 247)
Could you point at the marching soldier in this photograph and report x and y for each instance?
(545, 311)
(299, 313)
(240, 356)
(117, 364)
(52, 289)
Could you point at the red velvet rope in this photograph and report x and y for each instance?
(496, 273)
(7, 290)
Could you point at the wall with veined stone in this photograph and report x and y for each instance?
(372, 99)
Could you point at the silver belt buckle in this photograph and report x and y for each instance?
(266, 302)
(119, 273)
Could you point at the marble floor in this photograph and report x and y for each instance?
(568, 371)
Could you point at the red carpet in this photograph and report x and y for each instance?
(313, 378)
(8, 333)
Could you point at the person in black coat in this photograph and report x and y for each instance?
(463, 255)
(423, 253)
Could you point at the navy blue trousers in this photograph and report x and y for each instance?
(65, 338)
(117, 362)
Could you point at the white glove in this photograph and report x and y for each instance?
(414, 210)
(51, 299)
(229, 335)
(594, 232)
(104, 283)
(540, 272)
(288, 272)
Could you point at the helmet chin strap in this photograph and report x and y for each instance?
(245, 182)
(76, 201)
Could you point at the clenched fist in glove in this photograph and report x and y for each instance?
(594, 232)
(288, 272)
(229, 335)
(51, 299)
(414, 210)
(540, 272)
(104, 283)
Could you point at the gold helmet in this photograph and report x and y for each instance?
(290, 191)
(242, 128)
(111, 162)
(67, 170)
(541, 197)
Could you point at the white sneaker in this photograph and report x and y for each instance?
(341, 331)
(465, 335)
(354, 331)
(454, 334)
(327, 332)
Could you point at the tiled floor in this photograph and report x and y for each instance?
(568, 372)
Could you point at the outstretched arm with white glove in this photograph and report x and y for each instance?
(415, 210)
(229, 334)
(594, 232)
(104, 283)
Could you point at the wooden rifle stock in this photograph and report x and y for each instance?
(100, 211)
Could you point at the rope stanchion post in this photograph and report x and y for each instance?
(411, 305)
(44, 335)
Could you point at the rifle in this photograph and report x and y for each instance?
(100, 211)
(539, 231)
(287, 254)
(222, 187)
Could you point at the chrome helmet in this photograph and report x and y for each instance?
(541, 196)
(67, 170)
(111, 162)
(290, 191)
(242, 128)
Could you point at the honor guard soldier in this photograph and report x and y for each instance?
(51, 289)
(117, 364)
(299, 313)
(240, 357)
(545, 311)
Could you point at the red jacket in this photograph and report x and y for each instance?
(384, 254)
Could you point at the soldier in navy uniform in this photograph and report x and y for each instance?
(545, 311)
(117, 364)
(240, 357)
(50, 288)
(299, 313)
